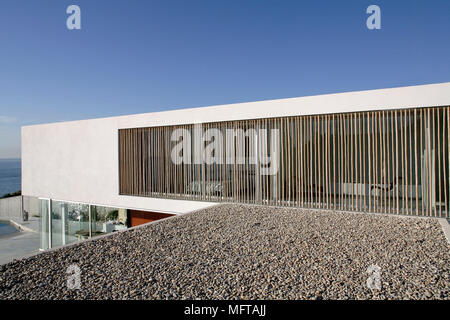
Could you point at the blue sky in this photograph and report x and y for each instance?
(143, 56)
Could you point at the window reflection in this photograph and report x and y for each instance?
(72, 222)
(107, 219)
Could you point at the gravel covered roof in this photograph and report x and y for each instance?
(247, 252)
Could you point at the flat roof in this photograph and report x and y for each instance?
(241, 251)
(430, 95)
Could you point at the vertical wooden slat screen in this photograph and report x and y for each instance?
(392, 161)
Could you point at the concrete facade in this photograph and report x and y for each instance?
(78, 161)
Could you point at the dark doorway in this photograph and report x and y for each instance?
(137, 217)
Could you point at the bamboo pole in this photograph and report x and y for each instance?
(448, 152)
(312, 173)
(439, 161)
(443, 160)
(334, 160)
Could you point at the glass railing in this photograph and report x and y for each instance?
(71, 222)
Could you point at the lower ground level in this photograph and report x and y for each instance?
(247, 252)
(62, 223)
(23, 242)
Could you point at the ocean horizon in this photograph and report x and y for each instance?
(10, 176)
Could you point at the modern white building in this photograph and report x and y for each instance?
(376, 151)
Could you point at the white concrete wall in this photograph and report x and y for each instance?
(78, 160)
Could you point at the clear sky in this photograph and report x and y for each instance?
(141, 56)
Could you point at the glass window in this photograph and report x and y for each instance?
(57, 225)
(107, 219)
(76, 222)
(70, 222)
(43, 224)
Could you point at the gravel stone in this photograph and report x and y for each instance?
(246, 252)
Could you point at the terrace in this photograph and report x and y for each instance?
(248, 252)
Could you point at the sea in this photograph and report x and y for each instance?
(10, 176)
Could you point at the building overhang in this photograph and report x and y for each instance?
(430, 95)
